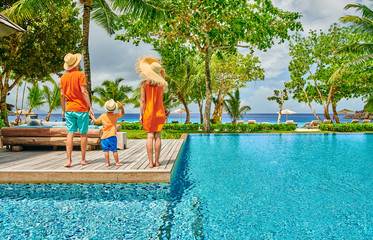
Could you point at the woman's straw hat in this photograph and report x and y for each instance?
(111, 106)
(149, 68)
(72, 60)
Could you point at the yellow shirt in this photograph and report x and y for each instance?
(109, 121)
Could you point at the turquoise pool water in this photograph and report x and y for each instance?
(254, 186)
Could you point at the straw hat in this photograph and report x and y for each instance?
(72, 60)
(111, 106)
(149, 68)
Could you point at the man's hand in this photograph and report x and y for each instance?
(91, 112)
(63, 114)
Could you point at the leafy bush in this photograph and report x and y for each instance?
(217, 128)
(347, 127)
(2, 124)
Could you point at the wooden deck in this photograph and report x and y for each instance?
(46, 166)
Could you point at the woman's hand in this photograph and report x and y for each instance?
(140, 120)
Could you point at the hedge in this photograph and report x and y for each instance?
(218, 128)
(347, 127)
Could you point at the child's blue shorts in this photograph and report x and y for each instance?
(109, 144)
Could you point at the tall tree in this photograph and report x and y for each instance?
(230, 71)
(279, 96)
(314, 60)
(233, 106)
(52, 97)
(100, 11)
(37, 53)
(208, 26)
(111, 90)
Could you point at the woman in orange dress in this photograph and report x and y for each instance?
(152, 113)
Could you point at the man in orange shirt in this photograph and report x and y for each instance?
(109, 131)
(76, 97)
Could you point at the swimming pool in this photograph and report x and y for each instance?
(246, 186)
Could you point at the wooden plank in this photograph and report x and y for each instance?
(46, 141)
(44, 166)
(170, 153)
(166, 144)
(174, 156)
(45, 132)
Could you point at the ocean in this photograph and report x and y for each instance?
(300, 118)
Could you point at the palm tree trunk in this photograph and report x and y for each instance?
(282, 103)
(200, 106)
(206, 119)
(87, 64)
(47, 118)
(334, 108)
(187, 120)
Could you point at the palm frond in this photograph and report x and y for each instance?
(138, 8)
(357, 48)
(365, 10)
(103, 15)
(23, 10)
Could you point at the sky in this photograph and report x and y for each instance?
(111, 59)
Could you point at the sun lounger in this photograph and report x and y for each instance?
(314, 124)
(327, 121)
(366, 121)
(307, 125)
(251, 122)
(291, 122)
(175, 121)
(355, 121)
(240, 122)
(265, 122)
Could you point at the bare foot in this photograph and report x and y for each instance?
(151, 165)
(85, 162)
(157, 164)
(118, 164)
(68, 164)
(107, 165)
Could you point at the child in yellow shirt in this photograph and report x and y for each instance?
(109, 135)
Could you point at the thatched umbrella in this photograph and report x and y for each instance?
(287, 111)
(8, 27)
(180, 110)
(345, 111)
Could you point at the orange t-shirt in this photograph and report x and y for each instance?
(109, 121)
(70, 83)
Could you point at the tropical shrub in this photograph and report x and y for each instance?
(347, 127)
(217, 128)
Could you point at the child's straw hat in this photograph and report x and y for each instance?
(111, 106)
(72, 60)
(149, 68)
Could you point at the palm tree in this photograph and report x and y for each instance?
(52, 97)
(102, 14)
(233, 106)
(36, 97)
(111, 90)
(363, 24)
(180, 74)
